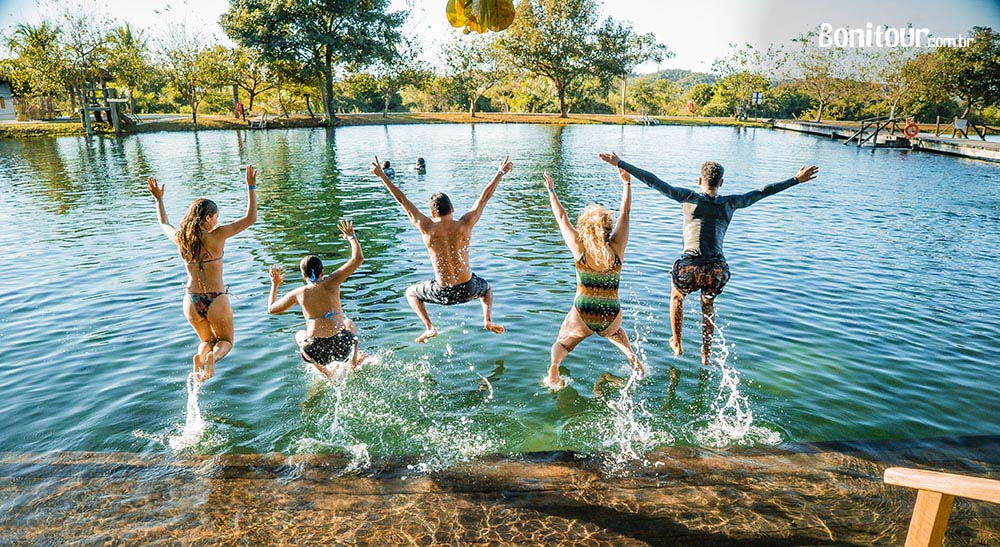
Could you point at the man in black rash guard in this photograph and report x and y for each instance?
(706, 219)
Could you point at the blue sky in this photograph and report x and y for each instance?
(697, 32)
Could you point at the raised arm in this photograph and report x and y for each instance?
(651, 180)
(161, 211)
(805, 174)
(562, 219)
(287, 301)
(237, 226)
(619, 237)
(418, 219)
(357, 256)
(476, 212)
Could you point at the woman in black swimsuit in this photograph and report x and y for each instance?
(329, 335)
(201, 242)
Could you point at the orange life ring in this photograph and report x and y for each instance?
(912, 129)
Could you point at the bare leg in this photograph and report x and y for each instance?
(488, 324)
(707, 328)
(558, 354)
(220, 316)
(620, 339)
(421, 311)
(676, 319)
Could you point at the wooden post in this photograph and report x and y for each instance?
(930, 519)
(937, 126)
(114, 119)
(85, 111)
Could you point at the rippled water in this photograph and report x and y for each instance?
(862, 306)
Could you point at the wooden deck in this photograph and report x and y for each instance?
(966, 148)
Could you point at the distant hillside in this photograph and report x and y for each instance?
(685, 79)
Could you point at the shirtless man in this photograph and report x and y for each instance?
(447, 240)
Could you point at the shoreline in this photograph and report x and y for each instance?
(810, 494)
(11, 130)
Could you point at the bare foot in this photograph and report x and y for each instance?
(359, 360)
(208, 369)
(554, 383)
(427, 335)
(493, 327)
(676, 346)
(196, 366)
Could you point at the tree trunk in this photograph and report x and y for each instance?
(309, 108)
(131, 102)
(236, 101)
(385, 105)
(892, 110)
(328, 106)
(561, 91)
(250, 101)
(72, 98)
(472, 107)
(194, 108)
(968, 106)
(819, 112)
(624, 90)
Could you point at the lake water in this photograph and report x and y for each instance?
(863, 305)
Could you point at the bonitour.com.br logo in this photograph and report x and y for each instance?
(884, 36)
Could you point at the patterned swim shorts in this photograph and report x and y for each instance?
(691, 273)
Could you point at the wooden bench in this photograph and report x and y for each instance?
(935, 494)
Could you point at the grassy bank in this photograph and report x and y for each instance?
(205, 122)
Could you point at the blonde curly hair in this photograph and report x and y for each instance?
(593, 229)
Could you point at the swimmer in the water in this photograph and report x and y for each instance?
(420, 167)
(388, 170)
(447, 240)
(598, 247)
(329, 336)
(201, 242)
(706, 217)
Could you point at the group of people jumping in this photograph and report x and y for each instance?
(597, 242)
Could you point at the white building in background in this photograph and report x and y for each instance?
(6, 102)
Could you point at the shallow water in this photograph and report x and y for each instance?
(862, 306)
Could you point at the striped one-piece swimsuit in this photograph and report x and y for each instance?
(597, 294)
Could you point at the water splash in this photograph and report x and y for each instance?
(194, 424)
(733, 420)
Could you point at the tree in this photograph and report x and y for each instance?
(620, 49)
(654, 96)
(192, 67)
(700, 95)
(972, 73)
(401, 69)
(820, 71)
(476, 64)
(127, 57)
(38, 66)
(318, 35)
(555, 39)
(252, 74)
(744, 71)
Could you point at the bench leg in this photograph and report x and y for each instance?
(930, 519)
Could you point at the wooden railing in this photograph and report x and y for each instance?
(877, 125)
(935, 494)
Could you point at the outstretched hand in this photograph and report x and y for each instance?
(251, 176)
(806, 174)
(623, 174)
(346, 229)
(506, 165)
(277, 275)
(549, 183)
(155, 189)
(611, 158)
(376, 168)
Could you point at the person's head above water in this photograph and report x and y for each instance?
(201, 217)
(441, 205)
(385, 164)
(420, 163)
(711, 176)
(593, 228)
(312, 268)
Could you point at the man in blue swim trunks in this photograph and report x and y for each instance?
(706, 218)
(447, 240)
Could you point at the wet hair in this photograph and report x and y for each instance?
(420, 162)
(189, 231)
(385, 164)
(711, 173)
(312, 268)
(593, 229)
(441, 204)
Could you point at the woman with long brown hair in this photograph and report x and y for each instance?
(598, 246)
(201, 242)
